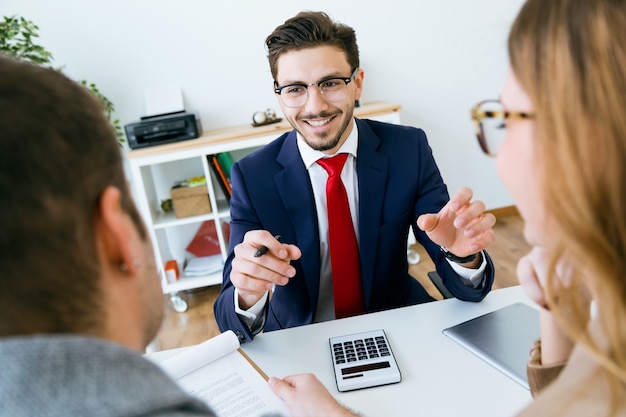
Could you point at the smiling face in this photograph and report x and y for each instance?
(323, 124)
(518, 164)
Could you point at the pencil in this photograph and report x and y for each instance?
(263, 249)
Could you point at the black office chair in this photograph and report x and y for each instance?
(436, 279)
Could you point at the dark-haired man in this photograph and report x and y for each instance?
(328, 265)
(79, 293)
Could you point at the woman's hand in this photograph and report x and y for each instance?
(532, 271)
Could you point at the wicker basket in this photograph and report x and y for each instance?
(190, 201)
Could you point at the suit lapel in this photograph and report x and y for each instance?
(371, 168)
(294, 187)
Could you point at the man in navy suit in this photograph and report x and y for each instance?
(391, 180)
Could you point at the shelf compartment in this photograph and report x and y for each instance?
(188, 283)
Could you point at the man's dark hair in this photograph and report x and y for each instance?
(309, 30)
(58, 153)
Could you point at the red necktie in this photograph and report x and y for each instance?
(344, 250)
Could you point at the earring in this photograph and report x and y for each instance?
(124, 267)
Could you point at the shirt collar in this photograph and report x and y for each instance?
(310, 155)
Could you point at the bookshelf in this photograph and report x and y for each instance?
(154, 170)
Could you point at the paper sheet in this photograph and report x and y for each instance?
(163, 100)
(217, 373)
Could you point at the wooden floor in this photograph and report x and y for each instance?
(198, 323)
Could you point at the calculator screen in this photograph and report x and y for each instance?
(363, 368)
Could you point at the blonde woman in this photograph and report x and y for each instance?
(564, 162)
(559, 133)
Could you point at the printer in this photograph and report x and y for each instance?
(164, 128)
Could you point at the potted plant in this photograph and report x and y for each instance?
(17, 40)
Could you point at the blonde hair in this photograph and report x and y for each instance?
(570, 57)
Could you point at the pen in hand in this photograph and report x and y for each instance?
(263, 249)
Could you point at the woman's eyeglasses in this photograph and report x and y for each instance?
(489, 122)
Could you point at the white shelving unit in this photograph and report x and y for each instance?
(155, 169)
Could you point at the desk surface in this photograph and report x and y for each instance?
(439, 377)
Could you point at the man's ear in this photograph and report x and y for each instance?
(115, 232)
(358, 82)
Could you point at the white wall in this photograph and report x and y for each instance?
(434, 57)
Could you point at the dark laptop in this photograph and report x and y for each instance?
(502, 338)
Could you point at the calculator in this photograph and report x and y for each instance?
(363, 360)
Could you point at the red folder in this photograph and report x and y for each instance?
(205, 241)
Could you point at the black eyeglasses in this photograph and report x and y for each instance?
(332, 89)
(489, 117)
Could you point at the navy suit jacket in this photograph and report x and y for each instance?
(398, 181)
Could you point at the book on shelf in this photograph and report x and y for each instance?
(226, 161)
(205, 242)
(219, 172)
(219, 373)
(203, 265)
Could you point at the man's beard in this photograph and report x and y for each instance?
(324, 144)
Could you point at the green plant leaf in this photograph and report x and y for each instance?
(16, 40)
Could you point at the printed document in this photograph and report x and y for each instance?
(219, 373)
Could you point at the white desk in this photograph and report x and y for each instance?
(439, 377)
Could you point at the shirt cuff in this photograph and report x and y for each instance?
(250, 315)
(471, 277)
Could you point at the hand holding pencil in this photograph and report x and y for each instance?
(261, 261)
(263, 249)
